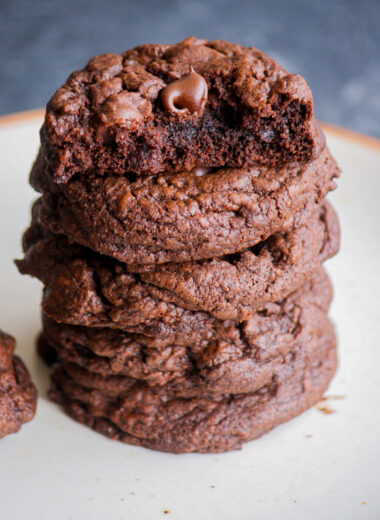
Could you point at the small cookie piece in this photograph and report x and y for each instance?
(83, 288)
(180, 217)
(155, 419)
(18, 395)
(239, 358)
(159, 108)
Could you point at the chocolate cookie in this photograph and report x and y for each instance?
(83, 288)
(174, 107)
(184, 216)
(235, 286)
(242, 360)
(17, 393)
(153, 418)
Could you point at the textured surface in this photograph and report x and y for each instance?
(17, 393)
(153, 418)
(113, 114)
(324, 41)
(184, 216)
(300, 470)
(239, 358)
(191, 106)
(83, 288)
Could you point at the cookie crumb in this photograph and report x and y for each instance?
(166, 511)
(308, 436)
(212, 486)
(325, 409)
(132, 492)
(364, 503)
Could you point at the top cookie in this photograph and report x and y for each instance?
(175, 107)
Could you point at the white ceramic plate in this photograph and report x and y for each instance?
(317, 466)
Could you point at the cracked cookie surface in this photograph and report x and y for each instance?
(114, 115)
(238, 358)
(184, 216)
(84, 288)
(155, 419)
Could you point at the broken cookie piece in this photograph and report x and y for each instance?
(18, 394)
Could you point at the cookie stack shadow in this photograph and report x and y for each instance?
(184, 309)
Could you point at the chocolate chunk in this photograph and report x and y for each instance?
(180, 237)
(186, 96)
(256, 113)
(127, 109)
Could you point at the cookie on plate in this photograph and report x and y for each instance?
(159, 108)
(18, 395)
(184, 216)
(84, 288)
(155, 419)
(238, 358)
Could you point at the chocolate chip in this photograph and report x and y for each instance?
(186, 96)
(125, 108)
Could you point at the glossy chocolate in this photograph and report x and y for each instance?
(186, 96)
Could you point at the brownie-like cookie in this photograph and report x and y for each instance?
(245, 358)
(174, 107)
(184, 216)
(18, 395)
(84, 288)
(155, 419)
(235, 286)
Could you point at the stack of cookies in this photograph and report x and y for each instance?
(180, 236)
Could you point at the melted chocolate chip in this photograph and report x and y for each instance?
(186, 96)
(126, 109)
(117, 108)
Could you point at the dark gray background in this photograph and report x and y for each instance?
(335, 44)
